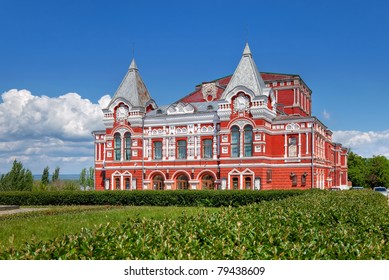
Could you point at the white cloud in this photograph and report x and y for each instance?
(65, 117)
(48, 131)
(366, 144)
(326, 115)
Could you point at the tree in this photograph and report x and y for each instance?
(45, 176)
(83, 178)
(378, 171)
(55, 176)
(19, 178)
(91, 178)
(357, 169)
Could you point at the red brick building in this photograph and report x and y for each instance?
(250, 130)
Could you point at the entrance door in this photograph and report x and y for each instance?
(208, 182)
(158, 183)
(182, 182)
(235, 183)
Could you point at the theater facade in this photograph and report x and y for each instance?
(250, 130)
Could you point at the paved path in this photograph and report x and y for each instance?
(19, 210)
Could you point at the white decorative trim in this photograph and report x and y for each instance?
(209, 90)
(241, 103)
(292, 126)
(180, 108)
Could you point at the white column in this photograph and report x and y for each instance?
(306, 143)
(214, 147)
(299, 146)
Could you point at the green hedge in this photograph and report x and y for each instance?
(316, 225)
(139, 198)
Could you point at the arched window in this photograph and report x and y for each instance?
(127, 146)
(235, 141)
(158, 182)
(182, 182)
(207, 182)
(248, 141)
(117, 146)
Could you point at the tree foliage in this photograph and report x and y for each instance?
(45, 176)
(55, 176)
(368, 172)
(87, 180)
(357, 168)
(378, 171)
(18, 179)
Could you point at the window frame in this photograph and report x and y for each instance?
(235, 146)
(182, 149)
(248, 143)
(207, 148)
(117, 150)
(127, 146)
(157, 151)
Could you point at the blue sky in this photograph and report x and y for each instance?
(49, 49)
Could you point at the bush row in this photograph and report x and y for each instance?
(139, 198)
(315, 225)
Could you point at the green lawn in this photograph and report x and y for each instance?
(62, 220)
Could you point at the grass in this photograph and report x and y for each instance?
(43, 225)
(316, 225)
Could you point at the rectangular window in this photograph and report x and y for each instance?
(292, 147)
(181, 149)
(127, 182)
(207, 148)
(269, 175)
(117, 183)
(157, 150)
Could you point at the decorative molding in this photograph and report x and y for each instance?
(292, 126)
(180, 108)
(209, 91)
(241, 103)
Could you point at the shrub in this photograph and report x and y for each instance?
(315, 225)
(151, 198)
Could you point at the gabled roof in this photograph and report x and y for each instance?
(132, 88)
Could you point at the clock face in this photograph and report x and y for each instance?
(121, 113)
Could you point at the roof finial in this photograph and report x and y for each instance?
(133, 64)
(133, 50)
(247, 50)
(247, 34)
